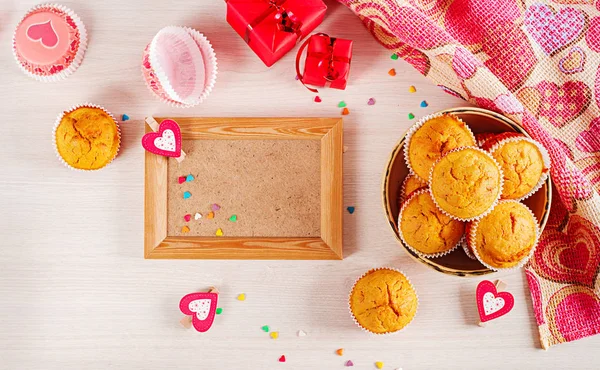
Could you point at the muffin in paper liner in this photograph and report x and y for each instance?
(465, 246)
(500, 185)
(72, 109)
(39, 46)
(412, 289)
(155, 78)
(410, 184)
(500, 140)
(417, 126)
(472, 233)
(414, 249)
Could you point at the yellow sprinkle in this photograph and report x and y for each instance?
(185, 229)
(379, 364)
(241, 297)
(219, 232)
(274, 334)
(340, 352)
(412, 89)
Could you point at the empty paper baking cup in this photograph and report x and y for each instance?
(180, 66)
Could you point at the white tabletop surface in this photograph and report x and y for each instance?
(76, 293)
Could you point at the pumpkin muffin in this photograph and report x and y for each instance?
(466, 183)
(427, 230)
(87, 138)
(432, 139)
(523, 164)
(383, 301)
(410, 184)
(506, 237)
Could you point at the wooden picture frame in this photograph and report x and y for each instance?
(329, 131)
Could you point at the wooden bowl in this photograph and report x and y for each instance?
(457, 262)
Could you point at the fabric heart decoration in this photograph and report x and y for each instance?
(43, 33)
(202, 307)
(589, 140)
(552, 30)
(573, 62)
(165, 142)
(492, 304)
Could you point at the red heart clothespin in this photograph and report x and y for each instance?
(492, 304)
(200, 309)
(166, 141)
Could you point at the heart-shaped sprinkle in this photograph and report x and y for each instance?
(210, 215)
(282, 358)
(371, 100)
(317, 99)
(185, 229)
(241, 297)
(274, 335)
(197, 216)
(412, 89)
(394, 56)
(340, 352)
(187, 217)
(189, 178)
(301, 333)
(219, 311)
(392, 72)
(265, 328)
(233, 218)
(345, 112)
(411, 116)
(125, 118)
(349, 363)
(181, 179)
(351, 210)
(186, 195)
(341, 104)
(424, 104)
(219, 232)
(379, 365)
(215, 207)
(297, 77)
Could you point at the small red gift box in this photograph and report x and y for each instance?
(327, 61)
(273, 27)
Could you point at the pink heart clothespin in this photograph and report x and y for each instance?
(165, 140)
(492, 304)
(200, 309)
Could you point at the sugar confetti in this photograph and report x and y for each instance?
(392, 72)
(379, 365)
(181, 179)
(187, 217)
(301, 333)
(185, 229)
(241, 297)
(412, 89)
(371, 101)
(349, 363)
(297, 77)
(341, 104)
(189, 178)
(215, 207)
(197, 216)
(424, 104)
(125, 117)
(186, 195)
(219, 232)
(318, 99)
(282, 358)
(351, 209)
(411, 116)
(394, 56)
(274, 335)
(265, 328)
(233, 218)
(210, 215)
(345, 112)
(219, 310)
(340, 352)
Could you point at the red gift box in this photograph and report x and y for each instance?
(273, 27)
(327, 61)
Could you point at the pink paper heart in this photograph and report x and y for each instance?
(551, 30)
(589, 140)
(165, 142)
(492, 304)
(43, 33)
(202, 307)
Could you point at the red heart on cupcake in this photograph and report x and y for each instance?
(492, 304)
(165, 142)
(202, 307)
(44, 33)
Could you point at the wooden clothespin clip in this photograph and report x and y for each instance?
(492, 302)
(165, 140)
(200, 309)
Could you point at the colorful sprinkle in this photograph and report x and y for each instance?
(371, 101)
(219, 232)
(341, 104)
(215, 207)
(394, 56)
(345, 112)
(219, 311)
(412, 89)
(274, 335)
(318, 99)
(424, 104)
(340, 352)
(189, 178)
(379, 364)
(187, 217)
(185, 229)
(411, 116)
(301, 333)
(265, 328)
(351, 210)
(297, 77)
(210, 215)
(241, 297)
(392, 72)
(181, 179)
(197, 216)
(349, 363)
(282, 358)
(186, 195)
(125, 118)
(233, 218)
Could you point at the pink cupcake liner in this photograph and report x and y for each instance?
(57, 123)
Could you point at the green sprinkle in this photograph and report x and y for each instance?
(233, 218)
(219, 311)
(394, 56)
(341, 104)
(411, 116)
(265, 328)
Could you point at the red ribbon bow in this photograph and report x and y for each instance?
(286, 20)
(327, 61)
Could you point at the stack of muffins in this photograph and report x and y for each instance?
(466, 190)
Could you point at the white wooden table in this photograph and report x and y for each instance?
(76, 293)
